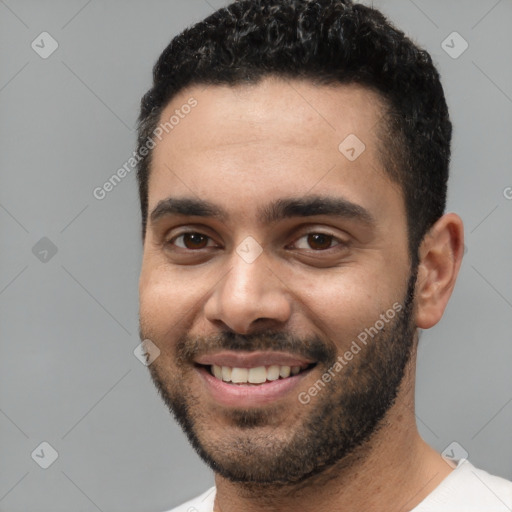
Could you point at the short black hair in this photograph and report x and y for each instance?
(327, 42)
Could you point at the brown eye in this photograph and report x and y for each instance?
(191, 240)
(319, 241)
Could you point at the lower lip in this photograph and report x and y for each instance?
(255, 395)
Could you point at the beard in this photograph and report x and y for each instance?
(341, 418)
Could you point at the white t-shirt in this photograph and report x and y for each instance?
(465, 489)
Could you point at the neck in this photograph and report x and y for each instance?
(394, 470)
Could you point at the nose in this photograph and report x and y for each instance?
(250, 293)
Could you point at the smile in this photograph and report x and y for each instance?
(251, 379)
(257, 375)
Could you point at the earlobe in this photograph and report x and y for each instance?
(440, 257)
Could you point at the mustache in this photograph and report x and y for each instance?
(312, 347)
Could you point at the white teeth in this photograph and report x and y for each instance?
(239, 375)
(226, 373)
(295, 370)
(257, 375)
(273, 372)
(284, 372)
(217, 371)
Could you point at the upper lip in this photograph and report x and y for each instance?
(252, 359)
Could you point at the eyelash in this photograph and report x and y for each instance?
(340, 243)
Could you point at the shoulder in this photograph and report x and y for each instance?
(469, 489)
(494, 488)
(202, 503)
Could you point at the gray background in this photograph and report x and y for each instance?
(69, 323)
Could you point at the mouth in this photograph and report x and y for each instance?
(251, 379)
(256, 375)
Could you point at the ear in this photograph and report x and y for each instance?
(440, 257)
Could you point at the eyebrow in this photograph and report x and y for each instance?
(277, 210)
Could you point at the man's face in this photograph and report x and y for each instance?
(278, 253)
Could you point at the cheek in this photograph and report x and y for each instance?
(168, 299)
(344, 304)
(160, 312)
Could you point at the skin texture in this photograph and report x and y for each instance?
(242, 148)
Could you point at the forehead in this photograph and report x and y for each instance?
(287, 111)
(271, 139)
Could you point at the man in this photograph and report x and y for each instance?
(293, 187)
